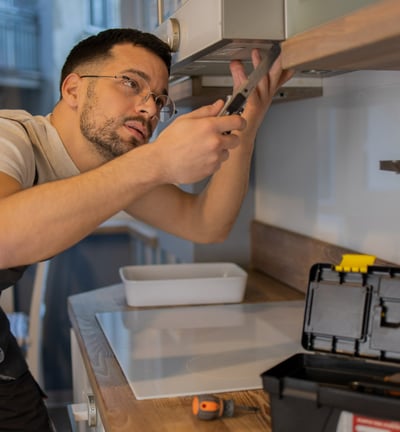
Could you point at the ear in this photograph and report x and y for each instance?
(70, 89)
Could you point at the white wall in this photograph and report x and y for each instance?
(317, 164)
(70, 25)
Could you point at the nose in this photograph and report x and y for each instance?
(148, 106)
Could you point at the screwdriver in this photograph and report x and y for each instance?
(389, 385)
(210, 407)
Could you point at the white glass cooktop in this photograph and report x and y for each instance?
(183, 351)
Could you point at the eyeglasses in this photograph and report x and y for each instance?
(140, 87)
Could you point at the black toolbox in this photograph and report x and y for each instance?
(352, 325)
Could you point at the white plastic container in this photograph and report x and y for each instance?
(183, 284)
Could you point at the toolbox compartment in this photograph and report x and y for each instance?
(351, 329)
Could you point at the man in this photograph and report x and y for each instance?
(87, 161)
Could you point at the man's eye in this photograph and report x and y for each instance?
(131, 83)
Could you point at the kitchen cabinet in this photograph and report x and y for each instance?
(82, 395)
(146, 14)
(170, 6)
(140, 14)
(365, 39)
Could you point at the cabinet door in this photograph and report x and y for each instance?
(145, 14)
(140, 14)
(81, 390)
(170, 6)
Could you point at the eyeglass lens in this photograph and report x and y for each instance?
(141, 87)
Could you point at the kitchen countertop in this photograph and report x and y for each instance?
(119, 409)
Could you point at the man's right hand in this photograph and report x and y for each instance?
(194, 146)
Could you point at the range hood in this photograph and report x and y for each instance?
(205, 35)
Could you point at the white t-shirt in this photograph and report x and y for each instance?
(29, 144)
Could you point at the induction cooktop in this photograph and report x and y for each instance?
(180, 351)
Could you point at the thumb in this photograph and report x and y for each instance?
(207, 110)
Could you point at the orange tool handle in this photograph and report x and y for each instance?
(207, 407)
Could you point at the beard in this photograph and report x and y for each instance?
(104, 136)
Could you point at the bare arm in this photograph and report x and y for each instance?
(41, 221)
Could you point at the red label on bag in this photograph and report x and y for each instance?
(366, 424)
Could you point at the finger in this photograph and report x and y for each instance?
(277, 75)
(207, 110)
(255, 57)
(226, 124)
(238, 73)
(229, 142)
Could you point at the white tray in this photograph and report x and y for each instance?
(183, 284)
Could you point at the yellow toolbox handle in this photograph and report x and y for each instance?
(355, 263)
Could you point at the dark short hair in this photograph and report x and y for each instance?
(98, 47)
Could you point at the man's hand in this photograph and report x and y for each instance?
(194, 146)
(261, 97)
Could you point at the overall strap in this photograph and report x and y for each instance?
(10, 276)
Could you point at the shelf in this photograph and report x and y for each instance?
(366, 39)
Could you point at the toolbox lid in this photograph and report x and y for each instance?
(353, 309)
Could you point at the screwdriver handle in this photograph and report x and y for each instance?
(210, 407)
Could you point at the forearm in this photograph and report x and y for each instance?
(206, 217)
(44, 220)
(219, 204)
(222, 199)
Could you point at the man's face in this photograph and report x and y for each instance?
(115, 117)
